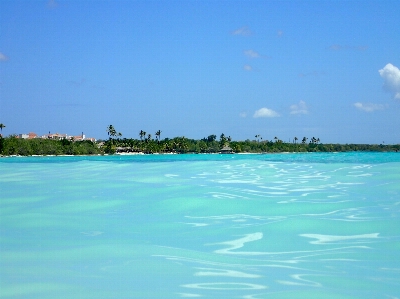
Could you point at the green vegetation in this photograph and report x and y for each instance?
(12, 145)
(210, 144)
(2, 126)
(110, 146)
(26, 147)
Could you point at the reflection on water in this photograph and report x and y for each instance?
(212, 227)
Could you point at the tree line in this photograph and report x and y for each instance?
(211, 144)
(148, 144)
(12, 145)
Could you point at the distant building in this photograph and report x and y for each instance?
(82, 137)
(30, 135)
(226, 150)
(78, 138)
(56, 136)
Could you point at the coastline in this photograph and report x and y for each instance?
(14, 147)
(193, 153)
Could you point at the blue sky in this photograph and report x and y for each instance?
(324, 69)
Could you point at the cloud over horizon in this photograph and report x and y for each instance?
(391, 77)
(369, 107)
(247, 67)
(77, 83)
(337, 47)
(3, 57)
(52, 4)
(300, 108)
(244, 31)
(265, 112)
(313, 73)
(251, 54)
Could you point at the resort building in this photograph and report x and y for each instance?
(82, 137)
(226, 150)
(56, 136)
(30, 135)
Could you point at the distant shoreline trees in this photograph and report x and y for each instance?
(2, 126)
(12, 145)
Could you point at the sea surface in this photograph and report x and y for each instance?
(201, 226)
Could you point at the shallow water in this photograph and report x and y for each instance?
(208, 226)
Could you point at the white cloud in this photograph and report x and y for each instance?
(342, 48)
(245, 31)
(243, 114)
(247, 67)
(52, 4)
(78, 83)
(265, 112)
(313, 73)
(368, 107)
(300, 108)
(280, 33)
(251, 54)
(391, 76)
(3, 57)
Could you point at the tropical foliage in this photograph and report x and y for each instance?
(37, 146)
(12, 145)
(2, 126)
(210, 144)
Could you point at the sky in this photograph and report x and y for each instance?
(323, 69)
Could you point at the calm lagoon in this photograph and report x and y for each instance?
(206, 226)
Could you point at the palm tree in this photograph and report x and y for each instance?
(222, 140)
(111, 132)
(158, 135)
(295, 139)
(142, 134)
(276, 139)
(2, 126)
(304, 140)
(183, 144)
(211, 138)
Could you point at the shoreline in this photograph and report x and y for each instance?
(168, 154)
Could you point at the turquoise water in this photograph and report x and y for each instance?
(206, 226)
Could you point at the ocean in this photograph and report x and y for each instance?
(304, 225)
